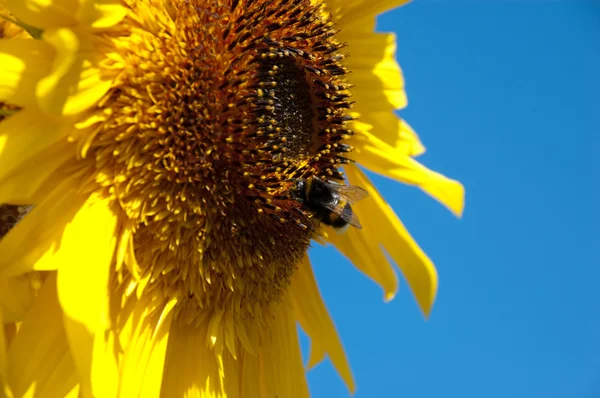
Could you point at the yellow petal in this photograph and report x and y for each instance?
(359, 14)
(17, 295)
(38, 357)
(144, 357)
(101, 14)
(250, 382)
(23, 62)
(5, 391)
(232, 372)
(393, 130)
(32, 146)
(382, 228)
(283, 375)
(375, 73)
(316, 322)
(33, 244)
(152, 381)
(44, 14)
(192, 369)
(35, 178)
(379, 90)
(3, 348)
(47, 14)
(75, 82)
(7, 332)
(86, 251)
(381, 158)
(367, 258)
(53, 90)
(10, 331)
(377, 78)
(95, 356)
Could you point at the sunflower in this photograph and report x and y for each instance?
(160, 144)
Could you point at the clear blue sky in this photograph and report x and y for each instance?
(506, 97)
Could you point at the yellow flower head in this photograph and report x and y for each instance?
(170, 151)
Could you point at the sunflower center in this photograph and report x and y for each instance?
(211, 122)
(288, 104)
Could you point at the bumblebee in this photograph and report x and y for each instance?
(329, 201)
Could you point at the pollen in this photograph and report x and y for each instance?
(221, 106)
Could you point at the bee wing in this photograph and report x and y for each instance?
(351, 193)
(353, 221)
(350, 218)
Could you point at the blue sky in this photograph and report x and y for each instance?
(506, 97)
